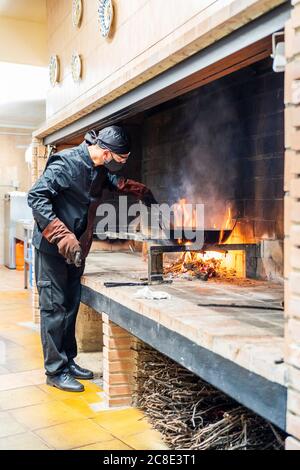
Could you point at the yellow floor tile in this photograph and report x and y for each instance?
(21, 335)
(36, 351)
(126, 428)
(8, 294)
(74, 434)
(110, 445)
(27, 340)
(9, 426)
(11, 381)
(16, 352)
(90, 386)
(123, 422)
(26, 441)
(45, 415)
(20, 308)
(93, 397)
(24, 364)
(147, 440)
(126, 413)
(21, 397)
(22, 379)
(81, 406)
(35, 416)
(9, 351)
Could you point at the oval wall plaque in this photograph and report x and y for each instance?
(106, 16)
(76, 13)
(54, 70)
(76, 67)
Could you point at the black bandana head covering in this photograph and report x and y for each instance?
(113, 138)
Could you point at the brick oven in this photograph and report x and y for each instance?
(223, 145)
(220, 128)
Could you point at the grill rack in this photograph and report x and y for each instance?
(156, 250)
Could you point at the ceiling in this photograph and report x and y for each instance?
(28, 114)
(22, 87)
(26, 10)
(22, 101)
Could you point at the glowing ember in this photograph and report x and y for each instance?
(204, 266)
(209, 264)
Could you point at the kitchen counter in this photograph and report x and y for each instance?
(237, 349)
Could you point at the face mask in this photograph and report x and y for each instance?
(113, 166)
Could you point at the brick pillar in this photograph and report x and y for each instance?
(89, 330)
(39, 159)
(292, 225)
(118, 364)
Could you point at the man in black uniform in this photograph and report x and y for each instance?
(64, 203)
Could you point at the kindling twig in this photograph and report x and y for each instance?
(191, 414)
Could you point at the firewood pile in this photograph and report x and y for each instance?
(191, 414)
(193, 265)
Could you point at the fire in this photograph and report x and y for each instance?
(228, 225)
(207, 265)
(197, 265)
(184, 215)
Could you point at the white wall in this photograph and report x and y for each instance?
(23, 42)
(12, 168)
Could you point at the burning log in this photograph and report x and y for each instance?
(191, 414)
(202, 266)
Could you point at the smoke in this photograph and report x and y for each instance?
(205, 128)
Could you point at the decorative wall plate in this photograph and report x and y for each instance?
(54, 70)
(76, 67)
(106, 16)
(77, 13)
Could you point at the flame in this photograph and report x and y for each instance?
(183, 217)
(207, 255)
(208, 264)
(228, 224)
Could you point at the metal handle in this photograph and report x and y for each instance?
(78, 259)
(125, 284)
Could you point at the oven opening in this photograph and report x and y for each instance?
(221, 145)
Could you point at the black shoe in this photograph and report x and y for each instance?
(79, 373)
(65, 381)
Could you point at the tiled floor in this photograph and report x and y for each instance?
(37, 417)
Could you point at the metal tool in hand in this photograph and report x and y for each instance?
(129, 284)
(125, 284)
(77, 260)
(165, 226)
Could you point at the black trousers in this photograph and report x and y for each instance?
(59, 290)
